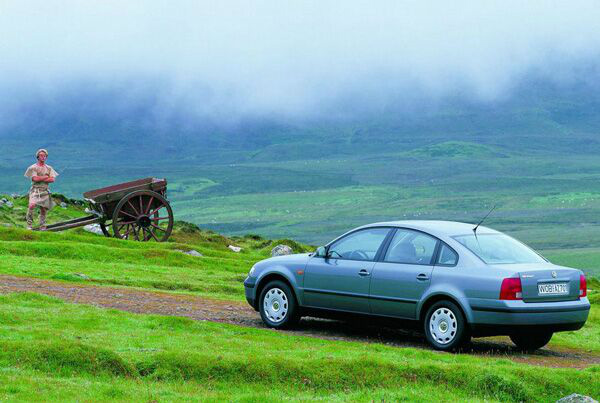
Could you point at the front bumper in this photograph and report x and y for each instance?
(507, 316)
(250, 290)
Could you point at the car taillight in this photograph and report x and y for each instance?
(511, 289)
(582, 286)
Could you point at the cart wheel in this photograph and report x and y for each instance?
(104, 230)
(143, 215)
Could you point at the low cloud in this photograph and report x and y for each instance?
(231, 60)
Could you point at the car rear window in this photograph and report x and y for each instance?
(499, 249)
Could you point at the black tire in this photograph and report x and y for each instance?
(448, 330)
(280, 297)
(530, 342)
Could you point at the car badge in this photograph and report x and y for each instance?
(553, 274)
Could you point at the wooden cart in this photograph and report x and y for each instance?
(136, 210)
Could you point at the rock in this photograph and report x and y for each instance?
(190, 252)
(575, 398)
(9, 204)
(63, 204)
(94, 229)
(87, 210)
(236, 249)
(15, 196)
(7, 225)
(81, 276)
(281, 250)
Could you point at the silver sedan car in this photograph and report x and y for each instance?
(452, 280)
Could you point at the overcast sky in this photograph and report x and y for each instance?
(289, 58)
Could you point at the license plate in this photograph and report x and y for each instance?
(553, 289)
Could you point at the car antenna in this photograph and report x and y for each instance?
(482, 220)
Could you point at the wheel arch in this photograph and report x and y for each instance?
(434, 298)
(273, 276)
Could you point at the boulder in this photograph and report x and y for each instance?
(81, 276)
(94, 229)
(63, 204)
(576, 398)
(4, 200)
(9, 204)
(281, 250)
(192, 252)
(236, 249)
(15, 196)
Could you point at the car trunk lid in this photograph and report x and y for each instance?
(548, 282)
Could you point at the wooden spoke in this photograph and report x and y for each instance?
(126, 234)
(149, 205)
(133, 208)
(121, 223)
(130, 215)
(141, 208)
(157, 227)
(159, 218)
(153, 236)
(156, 209)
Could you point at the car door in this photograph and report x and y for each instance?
(341, 280)
(403, 274)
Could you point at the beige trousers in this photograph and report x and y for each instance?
(29, 216)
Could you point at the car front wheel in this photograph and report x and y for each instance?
(531, 341)
(445, 327)
(278, 307)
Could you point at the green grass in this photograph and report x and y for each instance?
(96, 354)
(67, 255)
(54, 351)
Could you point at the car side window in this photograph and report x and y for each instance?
(412, 247)
(447, 256)
(359, 245)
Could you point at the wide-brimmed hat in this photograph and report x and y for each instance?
(41, 150)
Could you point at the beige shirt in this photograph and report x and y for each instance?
(39, 193)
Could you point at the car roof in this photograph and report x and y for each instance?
(435, 227)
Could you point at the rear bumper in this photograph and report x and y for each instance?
(507, 316)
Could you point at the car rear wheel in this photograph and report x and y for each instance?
(531, 341)
(445, 326)
(277, 305)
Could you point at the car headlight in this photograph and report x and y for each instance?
(252, 271)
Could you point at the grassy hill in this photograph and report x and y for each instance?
(57, 351)
(533, 154)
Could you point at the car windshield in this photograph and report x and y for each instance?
(499, 249)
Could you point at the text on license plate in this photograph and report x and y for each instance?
(553, 288)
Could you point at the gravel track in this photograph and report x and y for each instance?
(239, 313)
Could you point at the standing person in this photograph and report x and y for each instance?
(41, 175)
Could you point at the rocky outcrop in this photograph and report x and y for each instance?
(281, 250)
(94, 229)
(576, 398)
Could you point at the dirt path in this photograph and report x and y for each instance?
(239, 313)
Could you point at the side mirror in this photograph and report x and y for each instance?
(321, 252)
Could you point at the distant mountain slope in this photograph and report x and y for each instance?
(312, 179)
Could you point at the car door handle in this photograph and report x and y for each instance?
(363, 273)
(422, 276)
